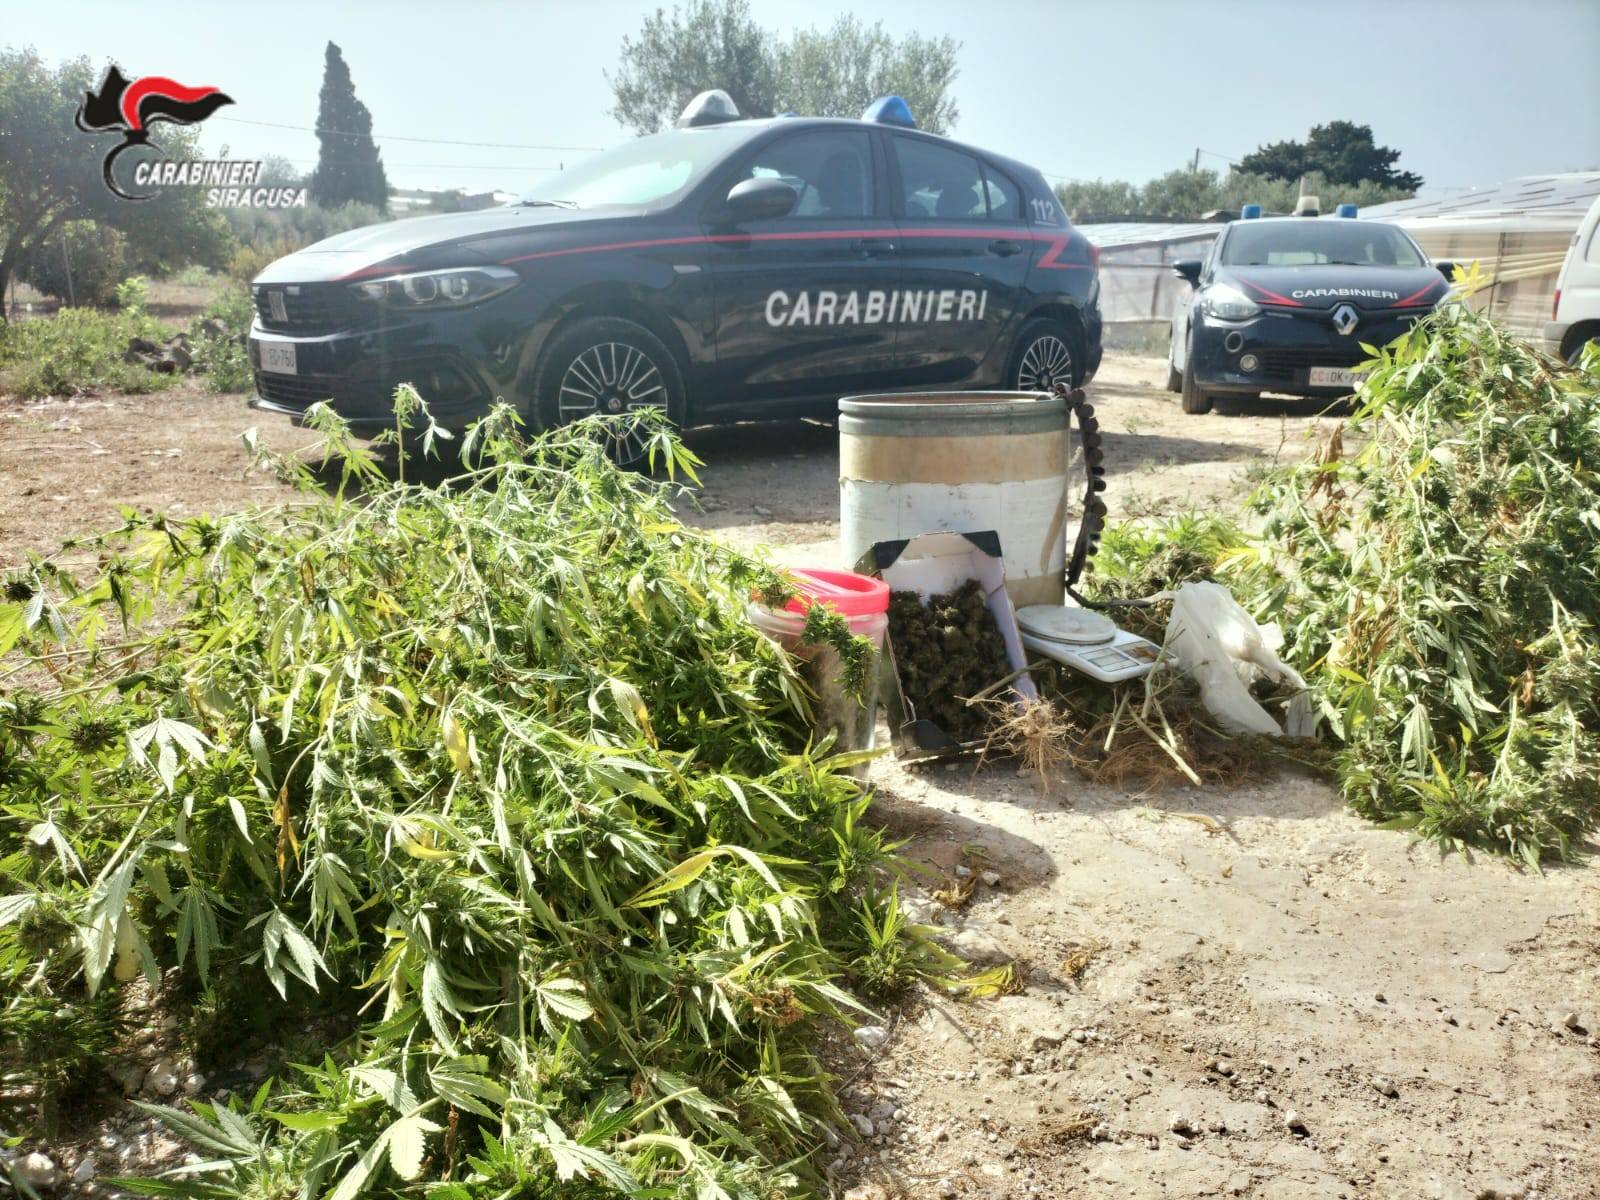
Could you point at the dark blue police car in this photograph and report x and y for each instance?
(1284, 304)
(726, 269)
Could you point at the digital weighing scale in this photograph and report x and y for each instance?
(1086, 642)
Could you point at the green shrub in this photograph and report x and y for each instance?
(195, 275)
(222, 357)
(82, 349)
(299, 225)
(251, 258)
(99, 258)
(133, 294)
(267, 234)
(78, 350)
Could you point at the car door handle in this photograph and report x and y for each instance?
(1005, 248)
(873, 246)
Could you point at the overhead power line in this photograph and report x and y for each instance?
(395, 137)
(311, 162)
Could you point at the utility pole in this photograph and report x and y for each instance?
(1196, 168)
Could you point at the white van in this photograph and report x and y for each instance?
(1575, 315)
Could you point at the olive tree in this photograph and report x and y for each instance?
(705, 44)
(837, 72)
(834, 72)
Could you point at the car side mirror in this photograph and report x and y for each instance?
(1447, 269)
(761, 200)
(1189, 269)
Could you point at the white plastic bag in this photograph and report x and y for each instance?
(1222, 649)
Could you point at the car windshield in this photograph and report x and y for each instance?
(1317, 241)
(644, 171)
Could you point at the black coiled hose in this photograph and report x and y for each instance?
(1094, 461)
(1094, 506)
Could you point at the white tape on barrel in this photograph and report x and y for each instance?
(1030, 512)
(960, 462)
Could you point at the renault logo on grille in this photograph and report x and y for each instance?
(1345, 319)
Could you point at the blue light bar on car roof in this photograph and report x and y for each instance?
(890, 110)
(1250, 212)
(1345, 210)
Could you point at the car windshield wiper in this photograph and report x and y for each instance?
(546, 204)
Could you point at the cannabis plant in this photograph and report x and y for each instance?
(504, 762)
(1442, 582)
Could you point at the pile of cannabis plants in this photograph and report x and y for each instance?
(493, 780)
(1438, 577)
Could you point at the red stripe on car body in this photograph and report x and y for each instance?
(1417, 298)
(1271, 295)
(1059, 242)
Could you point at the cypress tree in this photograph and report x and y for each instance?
(349, 169)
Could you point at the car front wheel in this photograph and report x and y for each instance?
(1042, 357)
(607, 366)
(1194, 400)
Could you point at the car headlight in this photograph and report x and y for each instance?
(452, 288)
(1227, 303)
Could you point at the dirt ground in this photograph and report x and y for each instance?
(69, 465)
(1278, 1001)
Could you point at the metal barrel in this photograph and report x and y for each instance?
(960, 462)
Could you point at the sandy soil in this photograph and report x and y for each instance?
(1293, 1005)
(1281, 1001)
(69, 466)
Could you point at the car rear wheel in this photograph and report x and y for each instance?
(607, 366)
(1042, 357)
(1174, 376)
(1576, 353)
(1194, 400)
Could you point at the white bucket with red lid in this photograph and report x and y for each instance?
(864, 603)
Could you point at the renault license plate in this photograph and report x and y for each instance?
(277, 357)
(1341, 377)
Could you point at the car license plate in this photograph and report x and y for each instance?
(277, 357)
(1335, 377)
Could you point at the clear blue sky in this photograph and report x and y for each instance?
(1472, 91)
